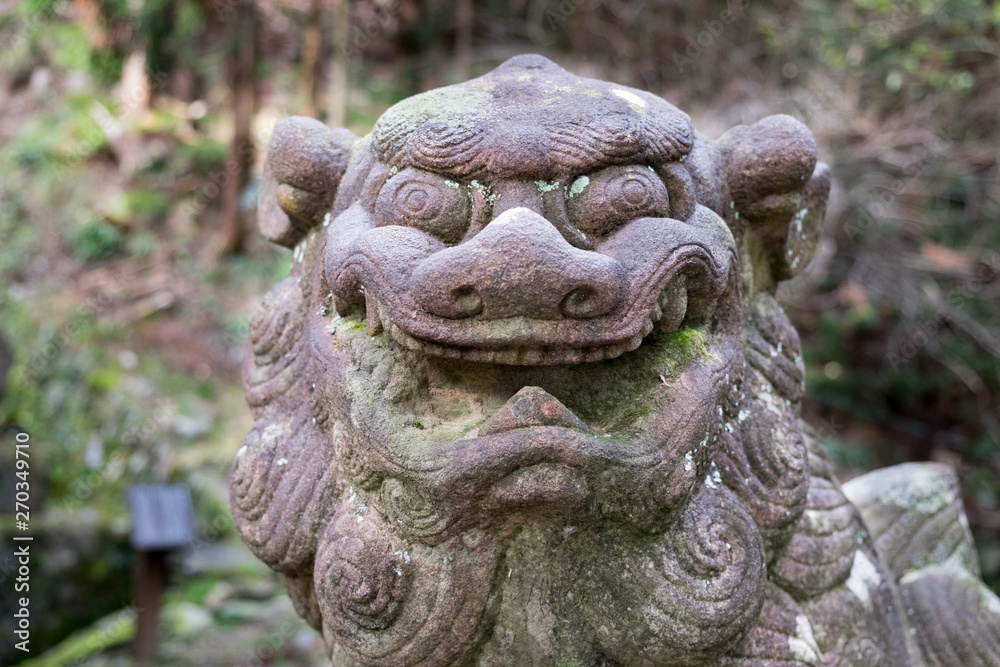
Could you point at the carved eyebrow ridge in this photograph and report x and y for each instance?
(572, 148)
(471, 130)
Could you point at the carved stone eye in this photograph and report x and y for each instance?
(424, 201)
(604, 201)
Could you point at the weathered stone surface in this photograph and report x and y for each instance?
(527, 399)
(914, 514)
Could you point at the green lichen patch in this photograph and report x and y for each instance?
(484, 191)
(579, 185)
(452, 106)
(444, 415)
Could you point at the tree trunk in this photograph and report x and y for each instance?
(311, 59)
(464, 16)
(336, 100)
(241, 151)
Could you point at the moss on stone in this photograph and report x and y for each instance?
(679, 348)
(352, 324)
(448, 105)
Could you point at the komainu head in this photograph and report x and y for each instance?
(527, 398)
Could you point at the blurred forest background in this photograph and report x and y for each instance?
(131, 138)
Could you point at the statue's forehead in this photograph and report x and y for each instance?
(533, 119)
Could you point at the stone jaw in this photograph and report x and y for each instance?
(584, 449)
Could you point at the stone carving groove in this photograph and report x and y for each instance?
(527, 398)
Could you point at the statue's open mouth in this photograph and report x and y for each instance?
(534, 342)
(574, 305)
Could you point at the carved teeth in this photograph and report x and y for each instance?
(671, 305)
(657, 312)
(532, 357)
(503, 356)
(523, 356)
(372, 316)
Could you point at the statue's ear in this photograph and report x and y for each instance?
(305, 163)
(778, 189)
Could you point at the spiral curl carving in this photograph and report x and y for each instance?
(281, 490)
(415, 514)
(689, 594)
(388, 602)
(273, 365)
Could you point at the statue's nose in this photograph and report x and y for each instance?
(519, 265)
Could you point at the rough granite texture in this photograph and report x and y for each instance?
(527, 399)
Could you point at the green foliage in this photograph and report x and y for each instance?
(73, 51)
(106, 66)
(203, 156)
(110, 631)
(194, 590)
(17, 240)
(32, 152)
(190, 24)
(849, 455)
(61, 139)
(61, 391)
(95, 240)
(138, 207)
(37, 8)
(148, 203)
(143, 244)
(901, 47)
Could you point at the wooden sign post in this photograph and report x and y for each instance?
(161, 523)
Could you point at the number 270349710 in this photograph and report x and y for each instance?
(22, 488)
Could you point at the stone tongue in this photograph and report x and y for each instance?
(531, 406)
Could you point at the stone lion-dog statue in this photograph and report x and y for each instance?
(527, 398)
